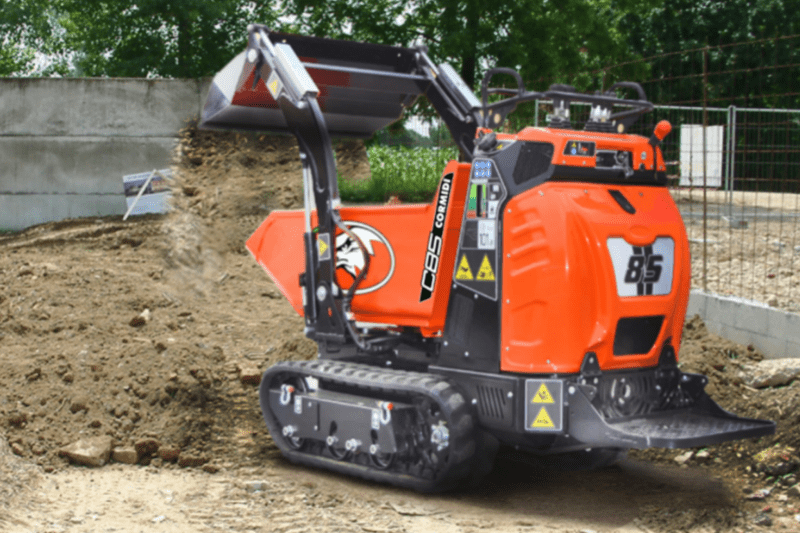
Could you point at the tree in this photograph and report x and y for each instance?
(750, 54)
(547, 41)
(26, 27)
(544, 40)
(164, 38)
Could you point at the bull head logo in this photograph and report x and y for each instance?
(350, 258)
(348, 253)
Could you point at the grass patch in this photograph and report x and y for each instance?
(410, 174)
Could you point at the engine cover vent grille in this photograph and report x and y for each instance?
(491, 402)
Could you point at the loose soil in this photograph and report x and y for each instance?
(138, 329)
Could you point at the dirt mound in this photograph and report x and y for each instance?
(100, 335)
(225, 184)
(232, 180)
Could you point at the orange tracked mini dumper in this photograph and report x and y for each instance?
(536, 303)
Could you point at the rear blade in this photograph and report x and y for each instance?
(703, 423)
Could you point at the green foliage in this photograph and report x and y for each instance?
(14, 59)
(410, 174)
(157, 38)
(27, 26)
(545, 40)
(677, 31)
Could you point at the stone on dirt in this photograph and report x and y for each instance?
(18, 419)
(188, 460)
(762, 520)
(773, 372)
(93, 451)
(684, 458)
(147, 446)
(169, 453)
(125, 454)
(249, 374)
(141, 319)
(758, 495)
(255, 486)
(79, 403)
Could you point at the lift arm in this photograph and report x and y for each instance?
(314, 88)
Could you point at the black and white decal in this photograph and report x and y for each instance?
(434, 250)
(350, 258)
(642, 270)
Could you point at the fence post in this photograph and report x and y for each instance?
(705, 179)
(731, 157)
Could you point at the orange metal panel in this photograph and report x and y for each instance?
(560, 296)
(402, 248)
(640, 148)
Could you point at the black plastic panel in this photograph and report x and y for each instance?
(609, 175)
(534, 159)
(472, 332)
(637, 335)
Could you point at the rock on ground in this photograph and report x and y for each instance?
(125, 454)
(93, 451)
(773, 372)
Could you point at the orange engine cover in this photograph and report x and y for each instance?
(571, 272)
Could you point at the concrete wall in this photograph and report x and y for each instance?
(775, 333)
(66, 143)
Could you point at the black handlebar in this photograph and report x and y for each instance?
(494, 114)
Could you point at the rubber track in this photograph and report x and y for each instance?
(377, 381)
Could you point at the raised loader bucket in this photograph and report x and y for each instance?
(362, 87)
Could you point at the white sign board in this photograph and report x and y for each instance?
(155, 196)
(692, 155)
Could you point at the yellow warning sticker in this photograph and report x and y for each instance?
(543, 395)
(464, 272)
(273, 87)
(323, 247)
(485, 273)
(543, 420)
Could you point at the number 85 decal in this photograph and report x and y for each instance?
(642, 270)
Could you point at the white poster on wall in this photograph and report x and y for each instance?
(692, 155)
(147, 192)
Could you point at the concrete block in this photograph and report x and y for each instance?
(126, 454)
(19, 212)
(53, 178)
(98, 106)
(730, 332)
(78, 164)
(793, 349)
(771, 347)
(775, 333)
(697, 304)
(752, 318)
(777, 324)
(792, 331)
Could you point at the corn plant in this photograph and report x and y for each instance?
(410, 174)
